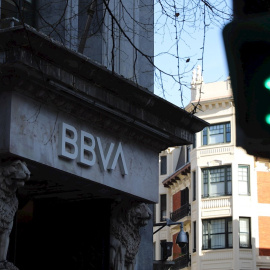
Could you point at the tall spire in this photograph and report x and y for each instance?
(199, 78)
(196, 83)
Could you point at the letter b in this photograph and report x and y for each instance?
(67, 141)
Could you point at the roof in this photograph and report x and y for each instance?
(173, 178)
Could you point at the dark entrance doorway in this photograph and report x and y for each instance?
(62, 235)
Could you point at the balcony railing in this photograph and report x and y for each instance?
(181, 262)
(182, 212)
(216, 202)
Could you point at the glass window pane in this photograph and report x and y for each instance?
(230, 226)
(216, 138)
(217, 226)
(188, 154)
(217, 181)
(194, 185)
(163, 165)
(205, 227)
(229, 180)
(218, 233)
(244, 240)
(215, 134)
(229, 187)
(216, 189)
(205, 176)
(228, 132)
(205, 190)
(205, 183)
(205, 136)
(163, 207)
(8, 9)
(243, 180)
(218, 241)
(205, 234)
(229, 173)
(194, 141)
(217, 175)
(244, 229)
(230, 235)
(205, 242)
(230, 240)
(244, 225)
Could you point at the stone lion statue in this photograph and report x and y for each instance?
(127, 218)
(13, 174)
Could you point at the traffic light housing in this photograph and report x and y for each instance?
(247, 44)
(166, 250)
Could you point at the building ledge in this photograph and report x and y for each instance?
(82, 83)
(173, 178)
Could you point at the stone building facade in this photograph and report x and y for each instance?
(79, 139)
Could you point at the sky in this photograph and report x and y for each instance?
(214, 61)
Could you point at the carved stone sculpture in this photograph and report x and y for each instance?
(13, 174)
(127, 218)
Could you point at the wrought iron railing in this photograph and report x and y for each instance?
(181, 262)
(182, 212)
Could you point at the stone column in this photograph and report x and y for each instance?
(13, 174)
(126, 220)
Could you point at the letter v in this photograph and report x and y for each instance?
(103, 160)
(118, 155)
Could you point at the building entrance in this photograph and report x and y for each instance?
(53, 234)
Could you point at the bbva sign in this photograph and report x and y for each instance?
(87, 149)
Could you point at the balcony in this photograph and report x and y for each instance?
(216, 202)
(211, 150)
(181, 262)
(180, 213)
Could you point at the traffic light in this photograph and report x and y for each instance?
(247, 44)
(166, 250)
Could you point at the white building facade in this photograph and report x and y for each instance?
(228, 223)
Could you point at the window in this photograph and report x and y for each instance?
(194, 236)
(217, 233)
(244, 232)
(194, 185)
(194, 141)
(217, 181)
(163, 207)
(243, 180)
(184, 196)
(162, 242)
(9, 9)
(219, 133)
(188, 154)
(163, 165)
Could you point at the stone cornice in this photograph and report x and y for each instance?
(45, 70)
(211, 103)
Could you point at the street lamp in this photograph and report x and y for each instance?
(181, 239)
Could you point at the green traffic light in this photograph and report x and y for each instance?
(267, 83)
(267, 119)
